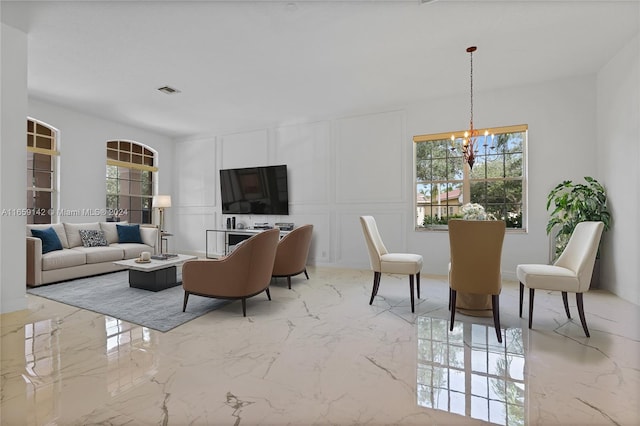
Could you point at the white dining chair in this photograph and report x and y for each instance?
(570, 273)
(383, 262)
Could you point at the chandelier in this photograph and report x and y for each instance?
(470, 137)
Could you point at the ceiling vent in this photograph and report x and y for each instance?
(168, 90)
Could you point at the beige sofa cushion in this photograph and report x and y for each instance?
(101, 254)
(149, 235)
(73, 232)
(58, 227)
(110, 231)
(64, 258)
(132, 250)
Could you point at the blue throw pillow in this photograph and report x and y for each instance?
(50, 240)
(129, 234)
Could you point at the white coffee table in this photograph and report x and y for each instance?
(156, 275)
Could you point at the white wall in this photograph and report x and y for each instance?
(345, 167)
(618, 159)
(13, 159)
(82, 146)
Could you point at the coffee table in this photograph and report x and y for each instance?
(156, 275)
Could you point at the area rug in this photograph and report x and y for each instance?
(110, 294)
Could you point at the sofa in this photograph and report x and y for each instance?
(65, 251)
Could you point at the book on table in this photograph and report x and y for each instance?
(164, 256)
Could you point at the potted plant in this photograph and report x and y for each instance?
(574, 203)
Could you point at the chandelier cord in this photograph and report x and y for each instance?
(471, 91)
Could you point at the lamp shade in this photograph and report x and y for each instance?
(161, 201)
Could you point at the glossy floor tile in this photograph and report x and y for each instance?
(320, 354)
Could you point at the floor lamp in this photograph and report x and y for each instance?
(161, 202)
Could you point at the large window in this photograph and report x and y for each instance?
(130, 168)
(497, 181)
(41, 179)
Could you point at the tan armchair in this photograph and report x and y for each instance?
(242, 274)
(292, 252)
(476, 253)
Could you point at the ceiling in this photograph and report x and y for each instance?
(244, 65)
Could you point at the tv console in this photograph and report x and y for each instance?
(230, 238)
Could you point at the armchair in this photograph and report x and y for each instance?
(244, 273)
(292, 252)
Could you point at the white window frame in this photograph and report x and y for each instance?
(465, 180)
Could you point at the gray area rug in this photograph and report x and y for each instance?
(110, 294)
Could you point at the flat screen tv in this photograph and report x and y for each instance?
(255, 190)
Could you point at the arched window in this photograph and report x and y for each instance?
(130, 168)
(41, 171)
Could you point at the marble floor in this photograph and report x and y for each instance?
(319, 354)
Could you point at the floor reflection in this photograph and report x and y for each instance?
(468, 372)
(130, 362)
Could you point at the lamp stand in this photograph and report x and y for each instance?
(161, 227)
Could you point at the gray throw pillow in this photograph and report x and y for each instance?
(93, 238)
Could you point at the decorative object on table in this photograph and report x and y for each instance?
(571, 272)
(284, 226)
(470, 138)
(161, 202)
(262, 225)
(163, 256)
(292, 253)
(574, 203)
(474, 211)
(383, 262)
(145, 255)
(478, 273)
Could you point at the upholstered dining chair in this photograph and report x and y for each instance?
(476, 253)
(243, 273)
(383, 262)
(292, 252)
(571, 272)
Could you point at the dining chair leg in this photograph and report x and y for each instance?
(531, 293)
(244, 307)
(374, 290)
(411, 291)
(418, 283)
(305, 273)
(565, 300)
(186, 298)
(495, 307)
(581, 313)
(268, 293)
(521, 297)
(452, 296)
(289, 281)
